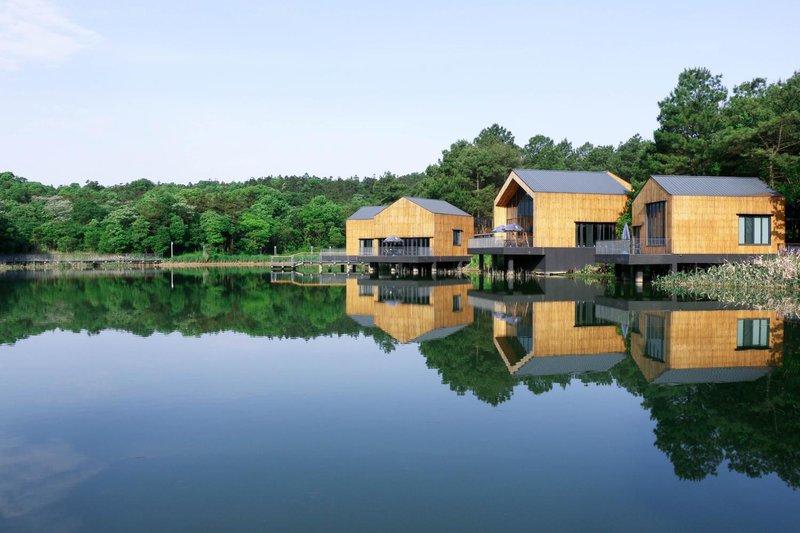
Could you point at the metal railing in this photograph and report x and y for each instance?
(656, 245)
(494, 240)
(333, 255)
(633, 246)
(616, 247)
(396, 251)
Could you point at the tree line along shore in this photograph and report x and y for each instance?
(704, 128)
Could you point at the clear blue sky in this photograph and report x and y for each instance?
(189, 90)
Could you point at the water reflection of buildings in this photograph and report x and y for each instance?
(716, 346)
(569, 329)
(557, 332)
(410, 310)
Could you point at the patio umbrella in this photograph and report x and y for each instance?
(498, 229)
(514, 227)
(392, 239)
(626, 232)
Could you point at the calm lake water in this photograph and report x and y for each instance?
(206, 401)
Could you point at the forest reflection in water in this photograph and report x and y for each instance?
(720, 383)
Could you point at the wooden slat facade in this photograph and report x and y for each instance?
(406, 220)
(708, 224)
(705, 339)
(406, 322)
(555, 214)
(555, 333)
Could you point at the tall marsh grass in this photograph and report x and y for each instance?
(765, 282)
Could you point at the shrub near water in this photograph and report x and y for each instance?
(764, 282)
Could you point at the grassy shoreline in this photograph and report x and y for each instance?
(765, 282)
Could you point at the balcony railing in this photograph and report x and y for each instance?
(617, 247)
(633, 246)
(396, 251)
(498, 240)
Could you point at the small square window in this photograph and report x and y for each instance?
(754, 229)
(752, 334)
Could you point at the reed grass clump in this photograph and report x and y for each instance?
(765, 282)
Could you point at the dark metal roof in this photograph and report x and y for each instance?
(440, 207)
(365, 321)
(569, 181)
(714, 186)
(569, 364)
(367, 212)
(684, 376)
(436, 334)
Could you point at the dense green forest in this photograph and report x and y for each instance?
(703, 128)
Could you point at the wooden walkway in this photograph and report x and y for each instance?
(279, 263)
(79, 259)
(295, 261)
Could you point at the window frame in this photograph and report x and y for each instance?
(586, 232)
(746, 327)
(650, 238)
(758, 222)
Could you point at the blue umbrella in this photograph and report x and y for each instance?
(626, 232)
(393, 239)
(499, 229)
(514, 227)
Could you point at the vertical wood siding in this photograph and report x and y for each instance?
(405, 219)
(405, 322)
(706, 339)
(555, 215)
(708, 224)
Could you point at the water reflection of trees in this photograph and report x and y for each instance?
(751, 426)
(191, 303)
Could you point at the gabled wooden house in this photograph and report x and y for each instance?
(411, 230)
(410, 310)
(558, 331)
(699, 220)
(559, 215)
(558, 338)
(707, 346)
(708, 215)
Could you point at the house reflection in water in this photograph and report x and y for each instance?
(570, 328)
(706, 346)
(410, 310)
(537, 337)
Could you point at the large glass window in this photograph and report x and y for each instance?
(411, 246)
(588, 233)
(406, 295)
(366, 290)
(585, 315)
(752, 333)
(365, 247)
(654, 337)
(754, 229)
(656, 223)
(524, 332)
(520, 210)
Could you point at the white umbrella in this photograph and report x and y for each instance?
(626, 232)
